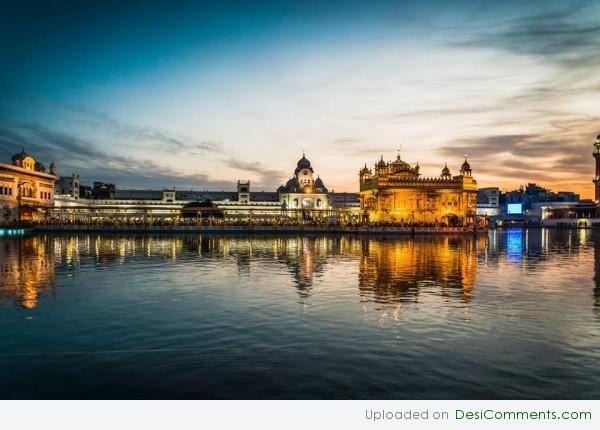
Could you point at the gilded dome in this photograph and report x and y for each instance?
(399, 165)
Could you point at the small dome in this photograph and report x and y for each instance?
(21, 155)
(466, 165)
(381, 163)
(446, 170)
(291, 186)
(320, 186)
(364, 169)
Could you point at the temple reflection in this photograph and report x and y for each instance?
(26, 270)
(387, 271)
(400, 270)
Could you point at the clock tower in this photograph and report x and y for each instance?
(303, 191)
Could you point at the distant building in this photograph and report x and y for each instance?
(68, 186)
(528, 203)
(243, 189)
(488, 201)
(26, 189)
(396, 192)
(579, 213)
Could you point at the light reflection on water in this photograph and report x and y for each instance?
(514, 314)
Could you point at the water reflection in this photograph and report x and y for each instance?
(26, 270)
(388, 270)
(512, 314)
(399, 270)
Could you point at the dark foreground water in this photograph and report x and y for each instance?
(515, 314)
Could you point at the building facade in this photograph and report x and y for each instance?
(488, 202)
(395, 192)
(26, 189)
(303, 191)
(303, 197)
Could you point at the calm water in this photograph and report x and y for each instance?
(515, 314)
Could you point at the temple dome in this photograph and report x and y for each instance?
(401, 165)
(303, 163)
(446, 170)
(25, 161)
(20, 156)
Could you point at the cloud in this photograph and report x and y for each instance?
(567, 35)
(75, 155)
(156, 138)
(266, 176)
(561, 155)
(357, 146)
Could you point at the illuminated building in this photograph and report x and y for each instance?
(395, 192)
(302, 191)
(26, 189)
(303, 196)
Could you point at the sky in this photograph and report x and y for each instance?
(198, 95)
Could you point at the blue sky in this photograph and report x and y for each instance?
(199, 95)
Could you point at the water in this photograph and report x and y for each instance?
(515, 314)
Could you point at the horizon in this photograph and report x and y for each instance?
(201, 95)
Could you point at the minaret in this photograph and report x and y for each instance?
(597, 177)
